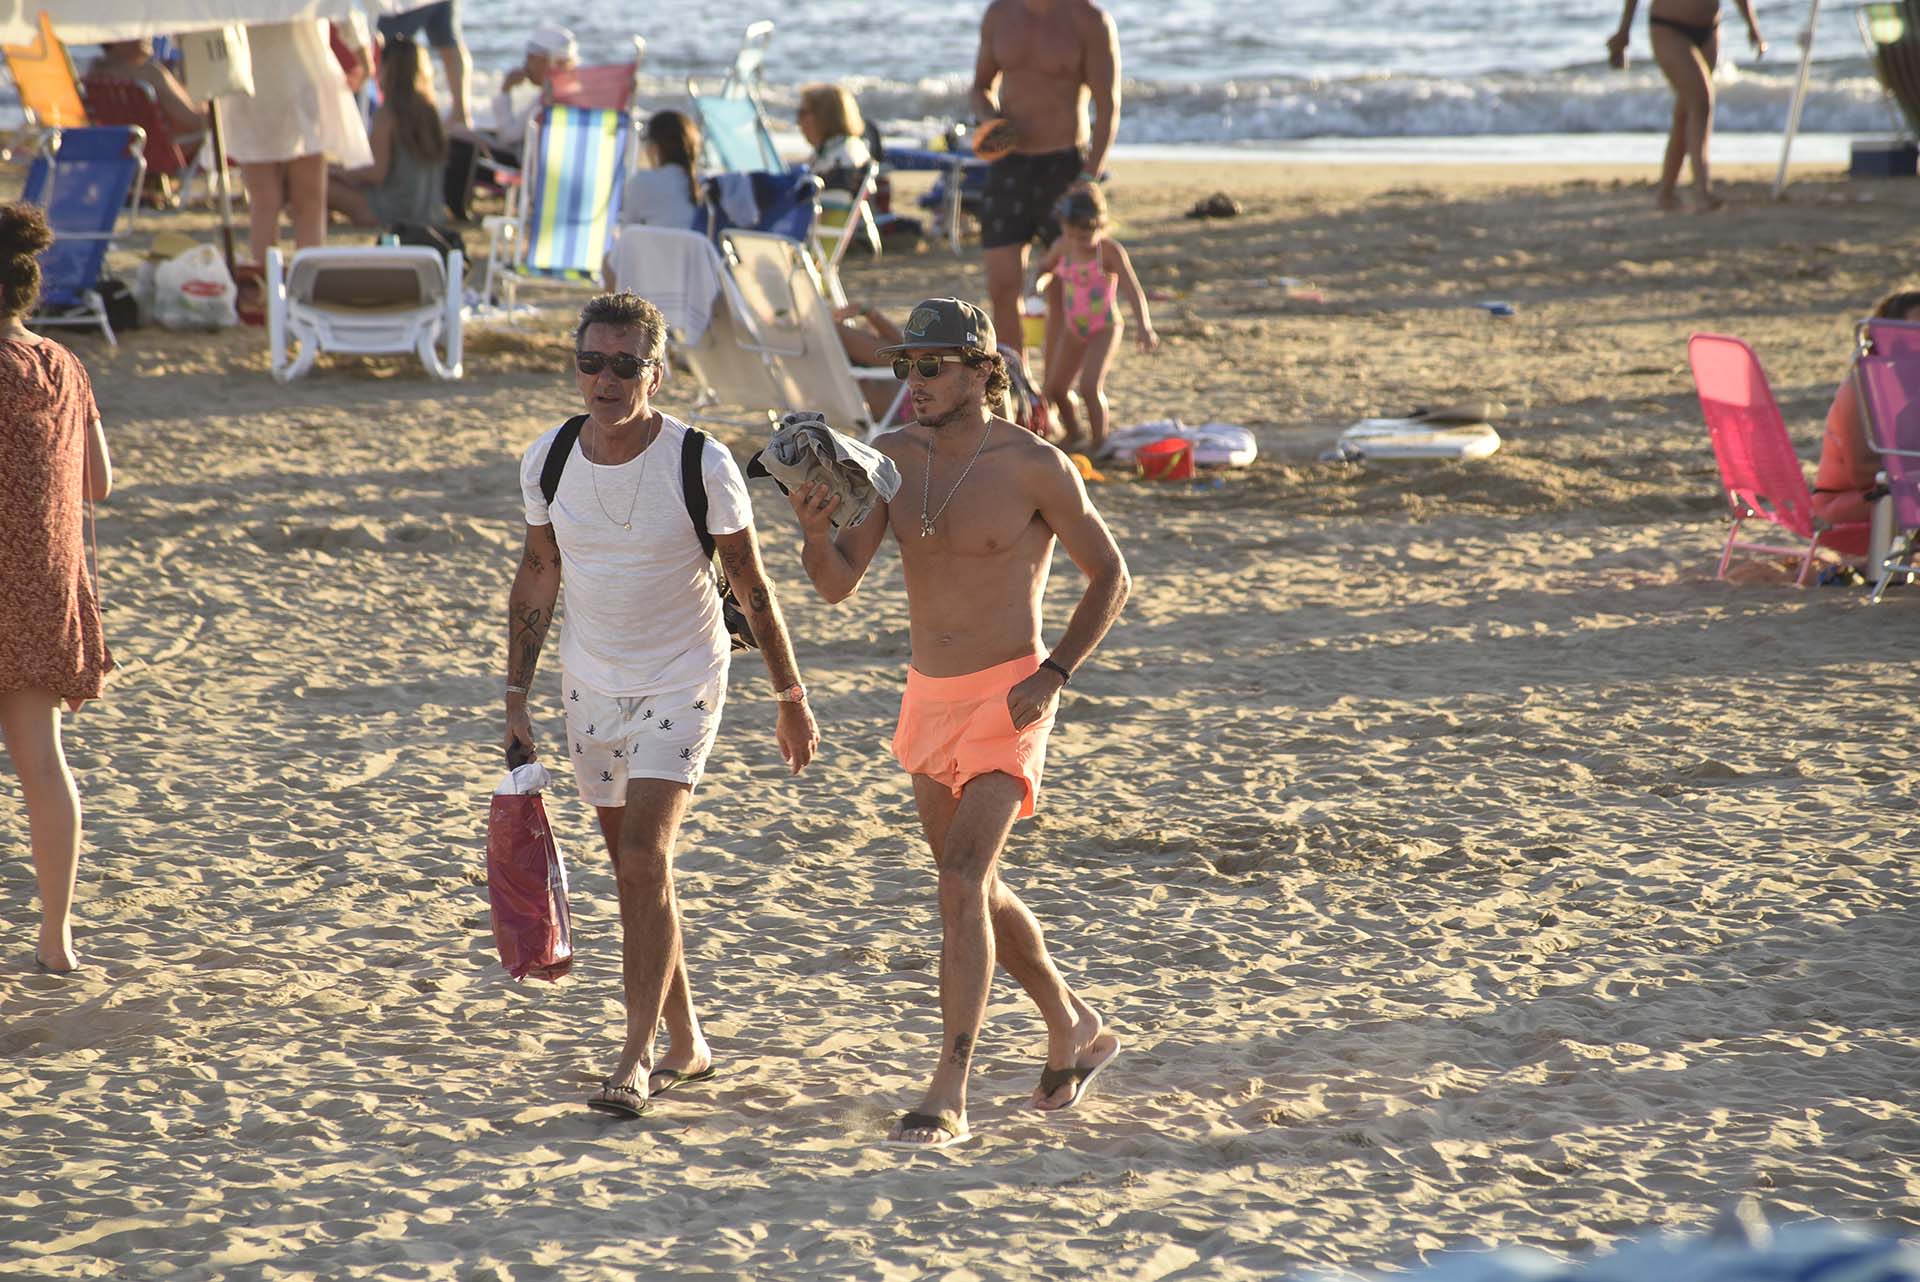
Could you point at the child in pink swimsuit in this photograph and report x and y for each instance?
(1083, 321)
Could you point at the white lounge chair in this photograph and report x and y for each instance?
(786, 305)
(376, 300)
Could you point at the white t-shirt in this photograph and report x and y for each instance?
(642, 615)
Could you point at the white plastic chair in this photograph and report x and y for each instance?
(371, 301)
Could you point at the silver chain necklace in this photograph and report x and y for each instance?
(593, 475)
(926, 482)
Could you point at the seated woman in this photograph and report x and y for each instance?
(132, 60)
(666, 194)
(407, 179)
(830, 121)
(1848, 461)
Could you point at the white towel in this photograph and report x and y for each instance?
(804, 450)
(676, 271)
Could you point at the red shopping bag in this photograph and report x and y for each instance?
(527, 882)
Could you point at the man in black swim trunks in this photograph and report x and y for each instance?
(1040, 64)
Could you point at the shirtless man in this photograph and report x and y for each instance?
(1040, 62)
(982, 692)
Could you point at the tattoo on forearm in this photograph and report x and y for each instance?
(736, 561)
(528, 634)
(759, 600)
(534, 561)
(962, 1050)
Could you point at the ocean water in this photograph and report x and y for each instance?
(1237, 72)
(1245, 73)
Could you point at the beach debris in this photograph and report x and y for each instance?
(1498, 309)
(1218, 205)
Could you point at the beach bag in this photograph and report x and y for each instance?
(193, 290)
(527, 880)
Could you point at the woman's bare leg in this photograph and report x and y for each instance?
(266, 186)
(30, 725)
(307, 200)
(352, 202)
(1690, 71)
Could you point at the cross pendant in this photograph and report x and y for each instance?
(926, 528)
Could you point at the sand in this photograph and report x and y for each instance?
(1459, 861)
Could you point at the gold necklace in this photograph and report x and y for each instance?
(593, 475)
(926, 482)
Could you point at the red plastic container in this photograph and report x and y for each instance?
(1170, 459)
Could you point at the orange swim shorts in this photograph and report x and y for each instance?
(953, 729)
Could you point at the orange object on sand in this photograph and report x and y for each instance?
(994, 138)
(1170, 459)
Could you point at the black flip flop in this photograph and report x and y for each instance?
(610, 1104)
(676, 1078)
(1081, 1079)
(45, 969)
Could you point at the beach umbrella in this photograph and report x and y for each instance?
(1799, 98)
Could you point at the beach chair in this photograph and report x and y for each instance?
(83, 178)
(708, 325)
(1892, 35)
(608, 86)
(1886, 373)
(43, 75)
(126, 102)
(567, 206)
(366, 301)
(733, 122)
(845, 212)
(787, 307)
(1759, 471)
(734, 132)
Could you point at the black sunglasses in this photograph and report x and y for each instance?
(624, 366)
(925, 366)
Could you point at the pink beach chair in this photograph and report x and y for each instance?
(1759, 470)
(1886, 374)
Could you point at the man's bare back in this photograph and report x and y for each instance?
(1050, 57)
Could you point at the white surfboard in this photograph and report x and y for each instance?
(1393, 438)
(1214, 444)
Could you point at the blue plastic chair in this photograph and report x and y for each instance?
(737, 139)
(83, 178)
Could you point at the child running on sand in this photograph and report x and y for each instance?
(1083, 321)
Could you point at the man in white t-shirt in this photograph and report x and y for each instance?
(644, 654)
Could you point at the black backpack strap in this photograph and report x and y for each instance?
(693, 484)
(557, 455)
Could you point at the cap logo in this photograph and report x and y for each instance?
(922, 320)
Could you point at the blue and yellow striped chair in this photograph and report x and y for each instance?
(568, 204)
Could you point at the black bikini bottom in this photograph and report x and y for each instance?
(1698, 34)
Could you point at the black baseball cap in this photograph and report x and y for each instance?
(946, 322)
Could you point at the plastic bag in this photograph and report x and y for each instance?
(193, 290)
(527, 880)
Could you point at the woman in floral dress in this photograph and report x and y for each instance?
(53, 458)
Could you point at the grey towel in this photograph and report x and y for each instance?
(805, 451)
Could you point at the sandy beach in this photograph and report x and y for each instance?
(1461, 864)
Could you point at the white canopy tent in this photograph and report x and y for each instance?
(92, 21)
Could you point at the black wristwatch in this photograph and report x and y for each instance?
(1065, 676)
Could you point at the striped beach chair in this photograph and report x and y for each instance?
(568, 206)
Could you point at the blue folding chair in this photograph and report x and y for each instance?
(781, 204)
(568, 206)
(737, 139)
(83, 178)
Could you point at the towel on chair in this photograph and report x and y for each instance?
(804, 451)
(676, 272)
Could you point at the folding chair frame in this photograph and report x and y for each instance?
(1891, 551)
(90, 309)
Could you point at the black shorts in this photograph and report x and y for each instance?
(440, 22)
(1017, 205)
